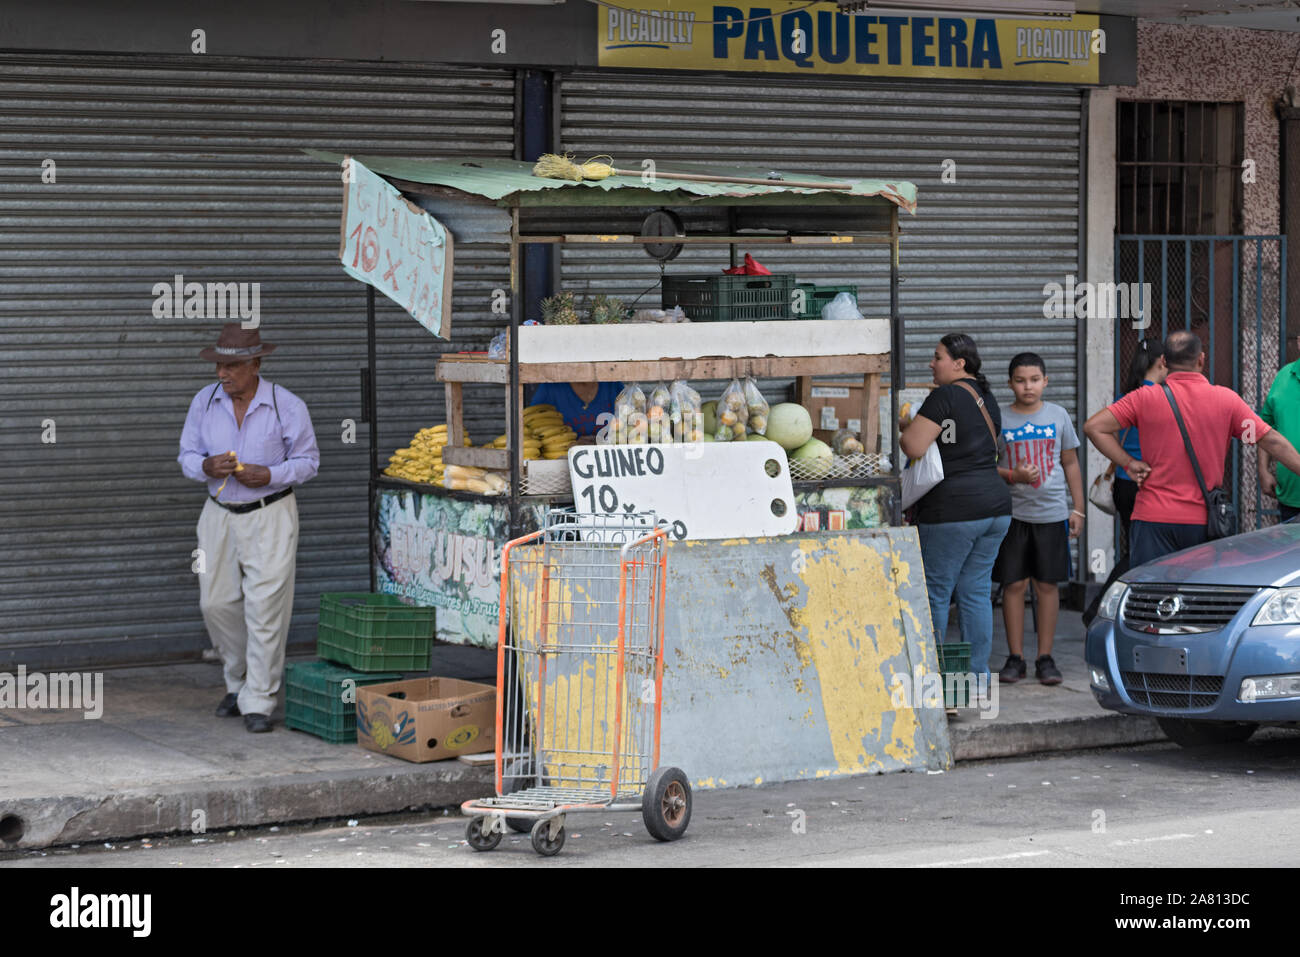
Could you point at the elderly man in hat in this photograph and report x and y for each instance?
(251, 442)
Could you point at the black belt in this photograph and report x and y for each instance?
(243, 507)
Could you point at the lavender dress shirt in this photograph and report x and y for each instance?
(287, 445)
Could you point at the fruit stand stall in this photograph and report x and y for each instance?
(439, 544)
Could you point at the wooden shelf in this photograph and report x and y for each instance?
(633, 353)
(479, 458)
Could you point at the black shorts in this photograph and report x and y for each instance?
(1040, 551)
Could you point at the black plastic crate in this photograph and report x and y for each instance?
(730, 298)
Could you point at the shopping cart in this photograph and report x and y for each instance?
(579, 681)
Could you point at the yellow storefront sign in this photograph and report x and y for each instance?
(798, 38)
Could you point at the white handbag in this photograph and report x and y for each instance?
(922, 475)
(1102, 493)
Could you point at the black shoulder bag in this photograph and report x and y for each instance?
(1220, 512)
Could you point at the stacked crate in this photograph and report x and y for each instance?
(364, 639)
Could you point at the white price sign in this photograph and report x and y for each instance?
(700, 490)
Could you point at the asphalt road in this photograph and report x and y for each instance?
(1149, 806)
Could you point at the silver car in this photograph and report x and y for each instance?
(1206, 640)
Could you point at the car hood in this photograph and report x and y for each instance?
(1268, 557)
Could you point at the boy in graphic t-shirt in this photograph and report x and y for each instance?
(1040, 463)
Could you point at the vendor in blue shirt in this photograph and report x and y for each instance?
(580, 403)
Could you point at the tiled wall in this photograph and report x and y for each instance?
(1178, 62)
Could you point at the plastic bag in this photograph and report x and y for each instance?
(757, 407)
(499, 348)
(657, 414)
(750, 267)
(843, 306)
(674, 314)
(733, 414)
(845, 442)
(922, 475)
(630, 425)
(684, 413)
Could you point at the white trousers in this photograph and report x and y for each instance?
(246, 595)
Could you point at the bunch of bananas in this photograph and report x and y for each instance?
(421, 461)
(545, 434)
(483, 481)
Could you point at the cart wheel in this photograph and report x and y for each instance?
(666, 804)
(542, 842)
(520, 825)
(480, 839)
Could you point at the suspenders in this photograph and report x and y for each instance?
(275, 402)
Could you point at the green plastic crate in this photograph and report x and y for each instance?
(314, 692)
(730, 298)
(818, 296)
(954, 659)
(374, 632)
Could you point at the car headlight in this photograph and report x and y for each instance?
(1282, 609)
(1110, 601)
(1269, 686)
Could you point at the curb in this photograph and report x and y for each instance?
(972, 743)
(224, 805)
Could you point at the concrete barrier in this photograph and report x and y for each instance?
(778, 659)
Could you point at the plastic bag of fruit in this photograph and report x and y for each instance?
(733, 414)
(657, 413)
(756, 406)
(846, 442)
(630, 425)
(684, 413)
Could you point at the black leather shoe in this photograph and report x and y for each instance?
(257, 723)
(229, 707)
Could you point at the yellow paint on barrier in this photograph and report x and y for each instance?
(849, 588)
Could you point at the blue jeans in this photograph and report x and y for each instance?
(959, 558)
(1151, 540)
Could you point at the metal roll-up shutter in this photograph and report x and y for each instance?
(974, 258)
(192, 166)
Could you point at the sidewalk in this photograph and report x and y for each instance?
(159, 761)
(1032, 717)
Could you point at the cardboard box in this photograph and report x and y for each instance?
(834, 405)
(427, 719)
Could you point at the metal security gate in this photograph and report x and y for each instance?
(1230, 291)
(996, 168)
(162, 166)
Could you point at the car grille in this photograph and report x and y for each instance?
(1188, 609)
(1173, 692)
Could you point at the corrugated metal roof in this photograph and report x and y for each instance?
(499, 179)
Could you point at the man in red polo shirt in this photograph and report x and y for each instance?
(1170, 511)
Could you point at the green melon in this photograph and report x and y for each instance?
(816, 458)
(789, 425)
(710, 413)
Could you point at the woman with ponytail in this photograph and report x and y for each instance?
(963, 519)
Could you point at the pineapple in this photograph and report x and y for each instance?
(607, 309)
(560, 310)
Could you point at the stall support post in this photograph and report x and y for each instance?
(372, 421)
(897, 371)
(513, 424)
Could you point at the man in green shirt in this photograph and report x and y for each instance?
(1282, 411)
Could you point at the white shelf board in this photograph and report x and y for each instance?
(642, 342)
